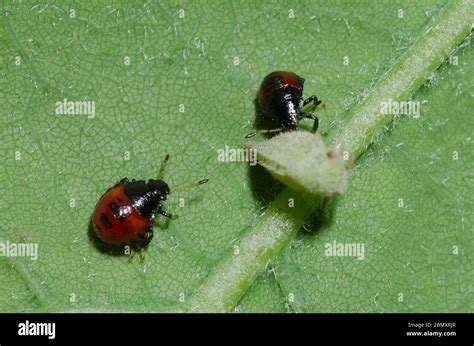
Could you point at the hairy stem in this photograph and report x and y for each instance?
(285, 215)
(233, 276)
(365, 121)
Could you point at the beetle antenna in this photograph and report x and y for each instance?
(190, 186)
(253, 133)
(164, 167)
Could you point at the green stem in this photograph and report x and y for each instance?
(365, 121)
(233, 276)
(277, 226)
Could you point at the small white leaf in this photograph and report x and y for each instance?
(303, 162)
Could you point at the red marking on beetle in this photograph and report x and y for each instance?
(127, 231)
(277, 80)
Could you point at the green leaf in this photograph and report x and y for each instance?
(409, 205)
(211, 62)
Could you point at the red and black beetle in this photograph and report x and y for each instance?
(280, 102)
(124, 214)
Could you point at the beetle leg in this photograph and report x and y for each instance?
(165, 214)
(147, 236)
(312, 99)
(316, 120)
(315, 124)
(159, 210)
(132, 254)
(250, 134)
(309, 100)
(309, 105)
(142, 255)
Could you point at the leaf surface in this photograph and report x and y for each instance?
(188, 91)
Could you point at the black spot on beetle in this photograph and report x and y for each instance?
(105, 221)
